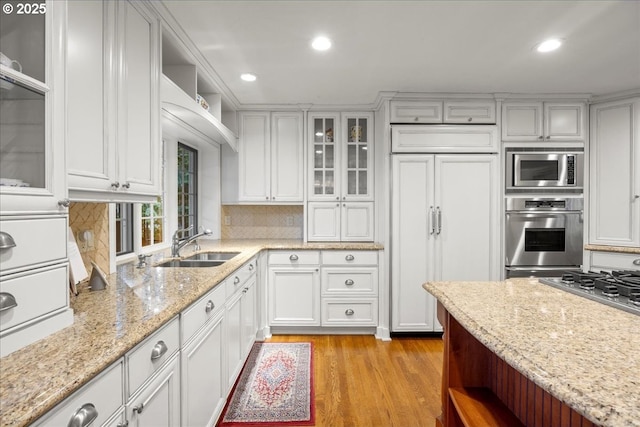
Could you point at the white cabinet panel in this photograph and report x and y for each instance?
(323, 221)
(416, 111)
(254, 157)
(445, 226)
(201, 312)
(234, 341)
(345, 312)
(543, 121)
(356, 223)
(287, 157)
(345, 221)
(615, 173)
(470, 112)
(294, 296)
(444, 139)
(615, 261)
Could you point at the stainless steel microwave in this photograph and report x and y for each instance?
(533, 170)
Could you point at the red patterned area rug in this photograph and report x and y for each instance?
(275, 388)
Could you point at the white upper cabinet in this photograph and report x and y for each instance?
(270, 157)
(543, 121)
(32, 111)
(615, 173)
(481, 111)
(114, 145)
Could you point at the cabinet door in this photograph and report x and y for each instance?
(323, 221)
(467, 234)
(294, 296)
(287, 159)
(91, 154)
(416, 111)
(324, 136)
(615, 174)
(357, 157)
(158, 403)
(248, 305)
(254, 157)
(357, 223)
(470, 112)
(138, 147)
(522, 121)
(564, 121)
(234, 341)
(33, 112)
(203, 387)
(413, 238)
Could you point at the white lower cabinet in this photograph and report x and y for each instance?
(98, 401)
(203, 385)
(157, 404)
(614, 261)
(294, 288)
(340, 221)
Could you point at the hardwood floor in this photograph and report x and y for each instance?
(364, 382)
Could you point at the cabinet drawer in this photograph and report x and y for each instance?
(610, 260)
(105, 393)
(470, 112)
(202, 311)
(354, 281)
(36, 293)
(342, 312)
(416, 111)
(444, 139)
(144, 360)
(350, 257)
(294, 257)
(240, 276)
(28, 235)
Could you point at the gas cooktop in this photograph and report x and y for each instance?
(618, 288)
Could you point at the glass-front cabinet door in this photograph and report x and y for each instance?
(324, 151)
(357, 148)
(31, 107)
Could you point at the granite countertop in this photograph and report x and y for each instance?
(110, 322)
(584, 353)
(619, 249)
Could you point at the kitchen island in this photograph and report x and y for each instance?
(538, 355)
(109, 323)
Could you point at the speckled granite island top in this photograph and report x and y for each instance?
(618, 249)
(109, 323)
(584, 353)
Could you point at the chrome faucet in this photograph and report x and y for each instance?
(177, 244)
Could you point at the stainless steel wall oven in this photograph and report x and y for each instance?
(543, 236)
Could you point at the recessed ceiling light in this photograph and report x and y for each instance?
(549, 45)
(248, 77)
(321, 43)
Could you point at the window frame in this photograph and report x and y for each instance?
(193, 194)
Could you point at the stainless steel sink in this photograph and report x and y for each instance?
(191, 263)
(212, 256)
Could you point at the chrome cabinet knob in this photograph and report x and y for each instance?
(349, 257)
(7, 301)
(115, 185)
(293, 257)
(636, 261)
(470, 119)
(126, 185)
(541, 137)
(6, 241)
(210, 306)
(236, 280)
(245, 290)
(138, 408)
(83, 416)
(250, 267)
(64, 203)
(348, 282)
(349, 312)
(159, 350)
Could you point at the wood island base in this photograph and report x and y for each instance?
(481, 389)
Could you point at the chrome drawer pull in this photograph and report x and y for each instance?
(636, 261)
(159, 350)
(7, 301)
(6, 241)
(293, 257)
(236, 280)
(250, 267)
(348, 282)
(349, 257)
(210, 306)
(83, 416)
(349, 312)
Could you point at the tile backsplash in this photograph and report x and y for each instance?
(262, 222)
(93, 217)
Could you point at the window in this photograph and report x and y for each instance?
(187, 190)
(124, 228)
(152, 217)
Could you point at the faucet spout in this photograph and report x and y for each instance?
(177, 244)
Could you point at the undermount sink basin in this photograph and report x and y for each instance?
(212, 256)
(191, 263)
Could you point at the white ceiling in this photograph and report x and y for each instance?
(413, 46)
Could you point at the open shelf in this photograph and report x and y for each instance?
(479, 407)
(184, 108)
